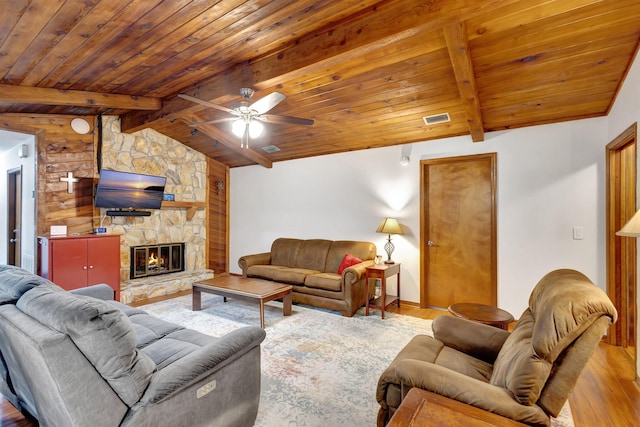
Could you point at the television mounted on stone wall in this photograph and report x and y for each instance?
(123, 193)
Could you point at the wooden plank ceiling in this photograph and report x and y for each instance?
(365, 71)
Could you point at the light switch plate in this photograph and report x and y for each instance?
(578, 233)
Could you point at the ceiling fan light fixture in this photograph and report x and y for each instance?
(247, 117)
(237, 127)
(255, 128)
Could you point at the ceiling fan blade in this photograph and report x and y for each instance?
(207, 103)
(211, 122)
(287, 120)
(265, 104)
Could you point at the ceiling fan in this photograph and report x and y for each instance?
(247, 117)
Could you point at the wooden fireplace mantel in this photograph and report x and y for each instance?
(191, 207)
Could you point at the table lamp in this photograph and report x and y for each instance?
(389, 226)
(632, 227)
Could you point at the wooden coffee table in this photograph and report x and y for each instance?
(243, 288)
(423, 408)
(481, 313)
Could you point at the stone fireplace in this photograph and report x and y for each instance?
(152, 153)
(151, 260)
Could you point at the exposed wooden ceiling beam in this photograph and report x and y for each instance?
(220, 136)
(322, 50)
(76, 98)
(458, 47)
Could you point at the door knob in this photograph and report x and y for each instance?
(13, 240)
(431, 243)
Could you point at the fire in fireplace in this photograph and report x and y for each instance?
(150, 260)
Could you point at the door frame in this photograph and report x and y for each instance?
(621, 255)
(39, 150)
(424, 220)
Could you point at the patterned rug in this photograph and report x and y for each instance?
(318, 368)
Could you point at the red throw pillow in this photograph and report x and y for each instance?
(347, 262)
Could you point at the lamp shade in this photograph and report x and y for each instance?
(237, 127)
(389, 226)
(632, 227)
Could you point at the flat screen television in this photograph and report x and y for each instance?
(126, 191)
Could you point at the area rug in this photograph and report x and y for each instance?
(318, 367)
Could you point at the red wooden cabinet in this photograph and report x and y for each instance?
(74, 262)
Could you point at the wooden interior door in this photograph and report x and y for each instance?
(14, 217)
(458, 238)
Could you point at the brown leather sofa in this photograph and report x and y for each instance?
(312, 266)
(526, 374)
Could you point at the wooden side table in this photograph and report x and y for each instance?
(382, 272)
(482, 313)
(423, 408)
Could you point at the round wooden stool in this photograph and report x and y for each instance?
(482, 313)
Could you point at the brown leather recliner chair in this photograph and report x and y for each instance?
(526, 374)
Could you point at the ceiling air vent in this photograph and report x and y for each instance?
(438, 118)
(270, 148)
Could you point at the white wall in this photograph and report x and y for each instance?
(550, 179)
(624, 113)
(9, 160)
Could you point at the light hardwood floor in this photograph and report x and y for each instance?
(606, 394)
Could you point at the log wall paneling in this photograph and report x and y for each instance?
(218, 217)
(60, 150)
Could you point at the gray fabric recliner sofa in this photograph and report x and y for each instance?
(313, 268)
(70, 359)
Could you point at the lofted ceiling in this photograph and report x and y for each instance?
(365, 71)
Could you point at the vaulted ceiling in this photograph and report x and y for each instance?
(367, 72)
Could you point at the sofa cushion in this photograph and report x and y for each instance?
(518, 367)
(176, 345)
(313, 255)
(15, 281)
(148, 329)
(347, 261)
(294, 276)
(264, 271)
(101, 332)
(458, 361)
(285, 251)
(328, 281)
